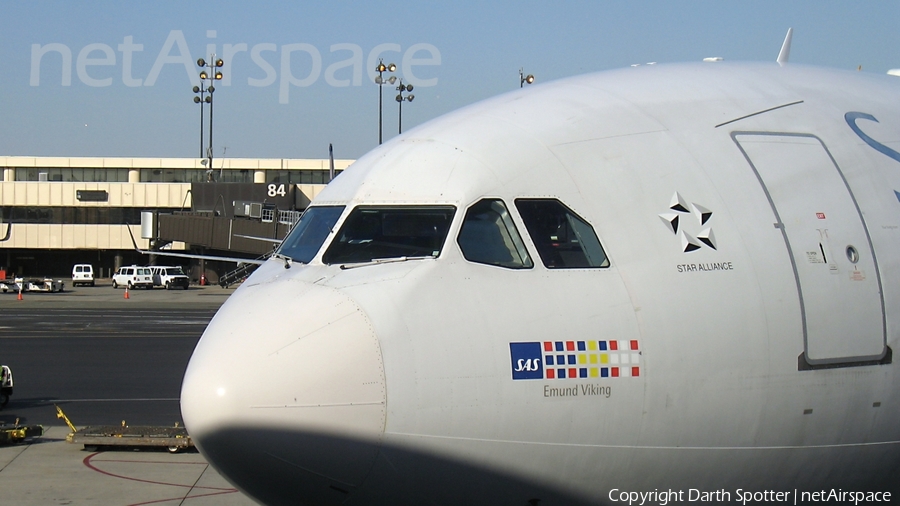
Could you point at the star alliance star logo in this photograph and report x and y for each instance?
(693, 218)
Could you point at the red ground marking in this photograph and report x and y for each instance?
(88, 462)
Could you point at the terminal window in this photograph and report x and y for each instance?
(72, 174)
(299, 176)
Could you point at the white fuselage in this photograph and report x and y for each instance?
(739, 338)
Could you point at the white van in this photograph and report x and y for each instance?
(169, 277)
(83, 274)
(133, 276)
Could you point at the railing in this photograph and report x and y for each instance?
(239, 274)
(289, 217)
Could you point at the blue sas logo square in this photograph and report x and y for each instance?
(527, 361)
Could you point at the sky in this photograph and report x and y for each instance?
(114, 78)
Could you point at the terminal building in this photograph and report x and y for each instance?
(57, 212)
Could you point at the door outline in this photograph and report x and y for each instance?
(803, 361)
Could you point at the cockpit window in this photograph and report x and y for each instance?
(372, 233)
(304, 241)
(563, 239)
(489, 236)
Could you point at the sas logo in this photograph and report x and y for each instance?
(575, 359)
(527, 361)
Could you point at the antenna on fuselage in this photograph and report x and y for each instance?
(785, 52)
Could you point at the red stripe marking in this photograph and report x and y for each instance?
(90, 465)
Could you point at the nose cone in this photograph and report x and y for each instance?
(285, 393)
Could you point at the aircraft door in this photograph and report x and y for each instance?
(834, 264)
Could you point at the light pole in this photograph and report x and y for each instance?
(201, 100)
(525, 79)
(381, 68)
(214, 75)
(400, 99)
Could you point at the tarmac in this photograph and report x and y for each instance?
(103, 295)
(49, 471)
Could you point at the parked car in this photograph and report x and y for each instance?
(133, 276)
(169, 277)
(83, 274)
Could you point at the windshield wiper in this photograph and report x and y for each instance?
(379, 261)
(288, 261)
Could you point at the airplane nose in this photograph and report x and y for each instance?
(287, 381)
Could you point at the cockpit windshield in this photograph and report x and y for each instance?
(370, 233)
(304, 241)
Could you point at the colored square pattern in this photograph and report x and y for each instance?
(594, 359)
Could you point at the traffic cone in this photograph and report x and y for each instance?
(126, 293)
(20, 294)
